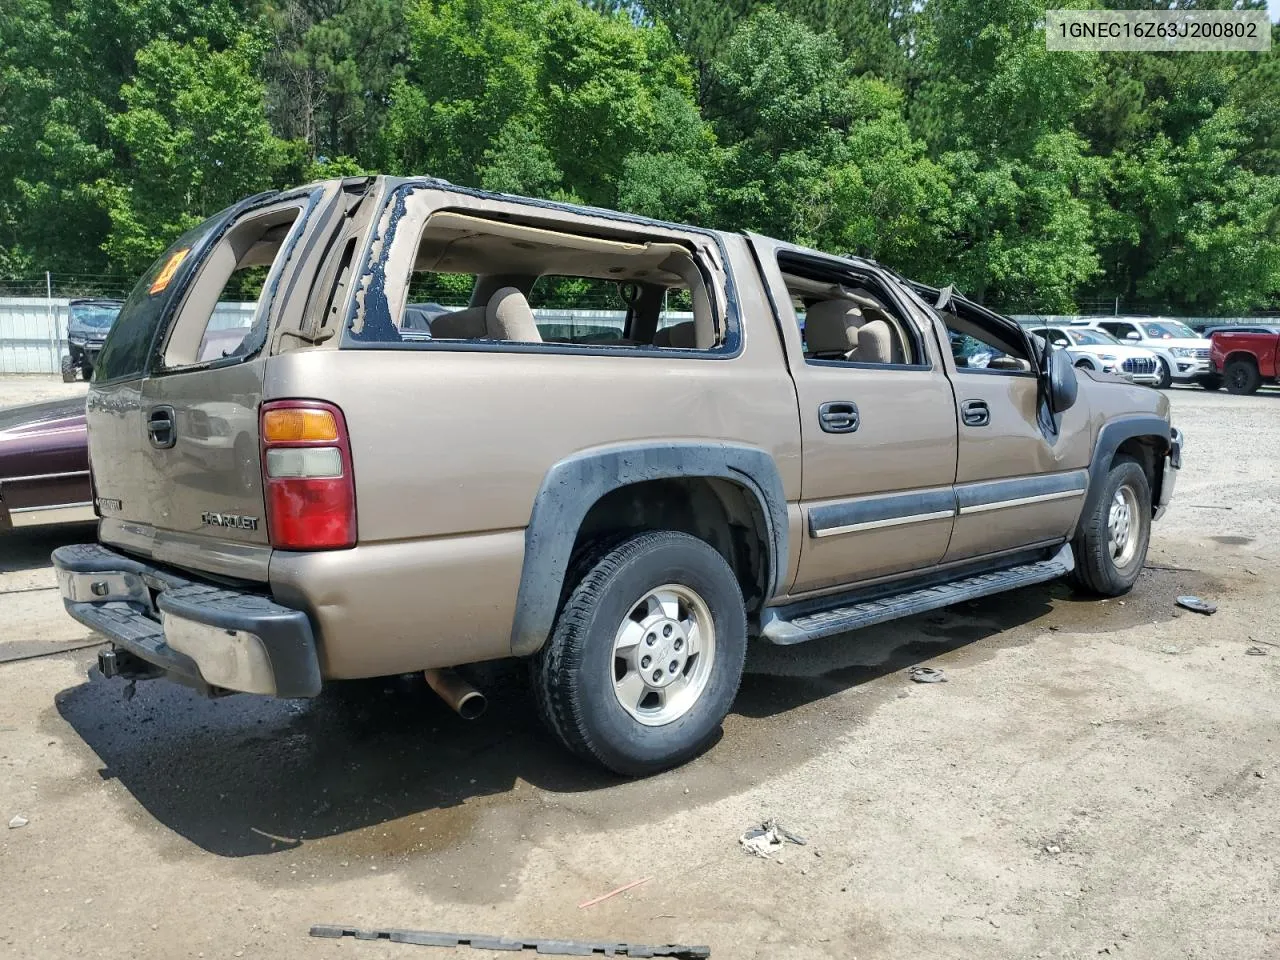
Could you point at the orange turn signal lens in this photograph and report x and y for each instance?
(299, 425)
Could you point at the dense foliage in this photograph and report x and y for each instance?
(939, 137)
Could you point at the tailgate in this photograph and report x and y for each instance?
(173, 409)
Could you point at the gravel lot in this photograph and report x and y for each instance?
(1094, 779)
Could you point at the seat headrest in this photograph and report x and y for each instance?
(466, 324)
(831, 326)
(683, 335)
(875, 343)
(508, 317)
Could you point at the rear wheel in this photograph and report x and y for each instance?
(1242, 376)
(1166, 376)
(1110, 545)
(646, 655)
(68, 370)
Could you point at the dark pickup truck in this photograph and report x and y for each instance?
(1246, 359)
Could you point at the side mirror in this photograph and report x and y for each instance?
(1131, 335)
(1063, 385)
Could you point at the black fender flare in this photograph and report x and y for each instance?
(573, 485)
(1110, 437)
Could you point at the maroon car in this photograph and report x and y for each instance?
(44, 464)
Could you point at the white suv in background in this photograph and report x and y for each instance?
(1183, 353)
(1095, 349)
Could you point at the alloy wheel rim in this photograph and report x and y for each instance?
(1123, 527)
(663, 653)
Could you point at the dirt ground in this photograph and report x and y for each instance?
(1094, 779)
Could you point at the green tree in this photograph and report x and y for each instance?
(546, 97)
(816, 154)
(330, 70)
(472, 68)
(195, 138)
(1203, 230)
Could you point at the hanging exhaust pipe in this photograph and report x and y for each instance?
(466, 701)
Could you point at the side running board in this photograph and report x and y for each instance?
(853, 616)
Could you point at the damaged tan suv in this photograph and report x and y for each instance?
(465, 426)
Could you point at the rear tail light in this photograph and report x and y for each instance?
(306, 476)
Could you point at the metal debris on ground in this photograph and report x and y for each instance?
(564, 948)
(18, 821)
(927, 675)
(1196, 605)
(768, 838)
(26, 652)
(613, 893)
(1256, 652)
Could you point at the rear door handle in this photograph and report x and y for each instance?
(975, 413)
(162, 427)
(839, 416)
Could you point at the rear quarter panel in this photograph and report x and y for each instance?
(1261, 346)
(449, 449)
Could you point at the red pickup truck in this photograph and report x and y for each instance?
(1246, 358)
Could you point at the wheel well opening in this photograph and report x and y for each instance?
(1240, 355)
(724, 514)
(1147, 451)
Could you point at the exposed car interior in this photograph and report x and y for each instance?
(845, 317)
(977, 343)
(233, 273)
(478, 279)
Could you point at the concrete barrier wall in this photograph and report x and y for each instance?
(33, 331)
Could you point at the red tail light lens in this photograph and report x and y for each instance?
(306, 475)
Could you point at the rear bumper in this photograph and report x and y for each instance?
(1171, 464)
(206, 636)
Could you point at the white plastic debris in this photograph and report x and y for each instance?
(927, 675)
(18, 821)
(768, 838)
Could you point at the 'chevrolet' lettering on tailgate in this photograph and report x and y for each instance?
(211, 519)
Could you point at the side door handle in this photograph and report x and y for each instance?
(839, 416)
(162, 427)
(975, 413)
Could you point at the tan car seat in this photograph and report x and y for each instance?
(681, 335)
(508, 317)
(875, 343)
(831, 329)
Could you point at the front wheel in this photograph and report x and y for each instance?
(646, 655)
(68, 370)
(1111, 542)
(1166, 376)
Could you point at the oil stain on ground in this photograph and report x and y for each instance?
(380, 774)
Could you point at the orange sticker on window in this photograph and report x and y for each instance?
(170, 268)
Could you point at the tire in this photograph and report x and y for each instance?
(1211, 382)
(1166, 376)
(578, 672)
(68, 370)
(1101, 568)
(86, 369)
(1084, 365)
(1242, 377)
